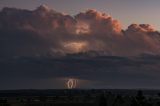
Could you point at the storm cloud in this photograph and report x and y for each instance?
(44, 31)
(43, 46)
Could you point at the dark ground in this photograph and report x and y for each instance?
(109, 97)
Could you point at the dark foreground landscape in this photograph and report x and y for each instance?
(109, 97)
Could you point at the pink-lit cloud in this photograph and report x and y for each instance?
(44, 31)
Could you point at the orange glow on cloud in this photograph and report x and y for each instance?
(75, 46)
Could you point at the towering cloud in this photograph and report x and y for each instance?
(44, 31)
(99, 22)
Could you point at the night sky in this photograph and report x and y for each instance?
(100, 44)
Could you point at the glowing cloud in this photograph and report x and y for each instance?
(75, 46)
(82, 28)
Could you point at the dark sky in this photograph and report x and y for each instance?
(97, 72)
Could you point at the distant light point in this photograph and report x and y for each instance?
(71, 83)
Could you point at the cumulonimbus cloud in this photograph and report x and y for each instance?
(44, 31)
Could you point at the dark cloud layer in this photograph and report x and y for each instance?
(99, 71)
(44, 31)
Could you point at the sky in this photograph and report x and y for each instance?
(127, 11)
(101, 44)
